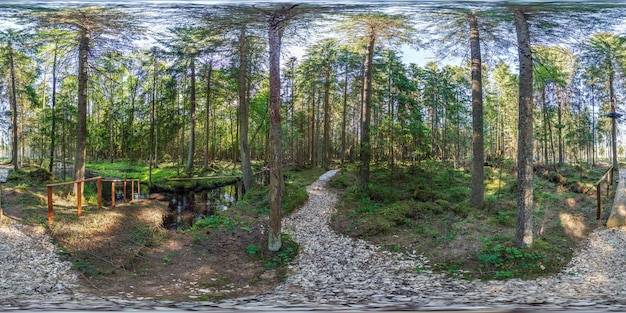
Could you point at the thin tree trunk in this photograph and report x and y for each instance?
(192, 113)
(54, 101)
(207, 115)
(312, 144)
(244, 113)
(275, 30)
(13, 100)
(366, 149)
(559, 100)
(593, 128)
(326, 151)
(524, 223)
(477, 197)
(152, 144)
(343, 117)
(613, 121)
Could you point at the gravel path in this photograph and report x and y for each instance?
(336, 272)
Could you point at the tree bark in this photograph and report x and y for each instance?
(54, 101)
(524, 223)
(152, 143)
(477, 197)
(559, 101)
(13, 100)
(244, 113)
(366, 148)
(192, 113)
(326, 151)
(276, 177)
(343, 117)
(613, 121)
(81, 122)
(207, 115)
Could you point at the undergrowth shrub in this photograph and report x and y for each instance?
(501, 259)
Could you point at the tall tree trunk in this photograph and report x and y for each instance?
(81, 121)
(559, 101)
(152, 143)
(546, 122)
(343, 117)
(313, 128)
(244, 113)
(593, 128)
(366, 149)
(524, 223)
(326, 151)
(13, 100)
(54, 101)
(478, 175)
(192, 113)
(275, 30)
(207, 120)
(613, 121)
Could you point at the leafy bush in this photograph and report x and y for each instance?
(216, 221)
(342, 180)
(502, 259)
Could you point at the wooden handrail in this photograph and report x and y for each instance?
(73, 182)
(609, 181)
(132, 188)
(79, 195)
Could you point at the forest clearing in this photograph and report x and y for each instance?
(467, 143)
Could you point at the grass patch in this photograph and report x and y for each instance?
(425, 208)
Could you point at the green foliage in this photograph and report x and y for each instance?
(343, 180)
(252, 249)
(216, 221)
(504, 218)
(501, 259)
(294, 197)
(281, 258)
(30, 176)
(88, 268)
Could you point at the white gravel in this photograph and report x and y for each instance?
(30, 266)
(336, 272)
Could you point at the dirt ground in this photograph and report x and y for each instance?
(199, 265)
(186, 268)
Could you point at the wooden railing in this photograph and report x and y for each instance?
(79, 196)
(608, 176)
(124, 181)
(79, 193)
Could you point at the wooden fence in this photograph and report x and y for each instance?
(125, 183)
(608, 176)
(79, 193)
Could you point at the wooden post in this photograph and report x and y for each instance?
(50, 209)
(598, 200)
(79, 197)
(138, 189)
(99, 184)
(132, 190)
(124, 190)
(112, 194)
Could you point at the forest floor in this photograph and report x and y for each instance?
(425, 209)
(127, 255)
(125, 252)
